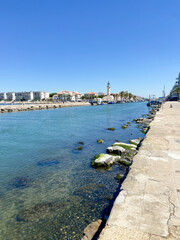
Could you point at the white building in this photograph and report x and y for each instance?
(11, 96)
(3, 96)
(25, 96)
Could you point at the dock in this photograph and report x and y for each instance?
(148, 205)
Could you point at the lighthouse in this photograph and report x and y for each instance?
(108, 88)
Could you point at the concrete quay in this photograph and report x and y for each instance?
(38, 106)
(148, 205)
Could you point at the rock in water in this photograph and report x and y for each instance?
(48, 162)
(135, 141)
(21, 182)
(115, 150)
(111, 129)
(100, 141)
(104, 160)
(125, 145)
(90, 230)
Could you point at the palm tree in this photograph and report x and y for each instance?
(121, 94)
(177, 90)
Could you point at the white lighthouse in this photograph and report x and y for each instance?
(108, 88)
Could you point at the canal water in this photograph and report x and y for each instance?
(48, 189)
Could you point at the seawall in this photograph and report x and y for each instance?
(41, 106)
(148, 205)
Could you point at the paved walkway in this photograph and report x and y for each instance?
(148, 207)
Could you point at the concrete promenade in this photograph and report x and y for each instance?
(39, 106)
(148, 207)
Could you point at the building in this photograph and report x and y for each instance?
(101, 94)
(91, 95)
(40, 95)
(66, 95)
(24, 96)
(3, 96)
(10, 96)
(173, 94)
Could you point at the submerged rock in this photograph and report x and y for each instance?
(81, 143)
(111, 129)
(115, 150)
(100, 141)
(104, 160)
(38, 211)
(79, 148)
(48, 162)
(21, 182)
(119, 177)
(125, 161)
(124, 126)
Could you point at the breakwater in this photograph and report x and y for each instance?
(148, 205)
(40, 106)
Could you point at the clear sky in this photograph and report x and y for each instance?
(79, 45)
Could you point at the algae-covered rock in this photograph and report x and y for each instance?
(115, 150)
(104, 160)
(125, 145)
(135, 141)
(119, 177)
(144, 130)
(111, 129)
(100, 141)
(125, 161)
(124, 126)
(79, 148)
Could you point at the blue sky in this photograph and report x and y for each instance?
(79, 45)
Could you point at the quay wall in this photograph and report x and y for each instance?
(148, 205)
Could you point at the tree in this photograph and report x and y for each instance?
(177, 90)
(52, 94)
(130, 95)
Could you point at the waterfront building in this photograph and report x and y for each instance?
(3, 96)
(173, 94)
(11, 96)
(24, 96)
(40, 95)
(91, 95)
(66, 95)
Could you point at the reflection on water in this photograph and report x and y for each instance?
(47, 189)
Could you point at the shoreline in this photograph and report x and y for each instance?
(94, 229)
(39, 106)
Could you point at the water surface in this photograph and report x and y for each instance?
(48, 190)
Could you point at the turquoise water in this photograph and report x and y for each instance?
(48, 189)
